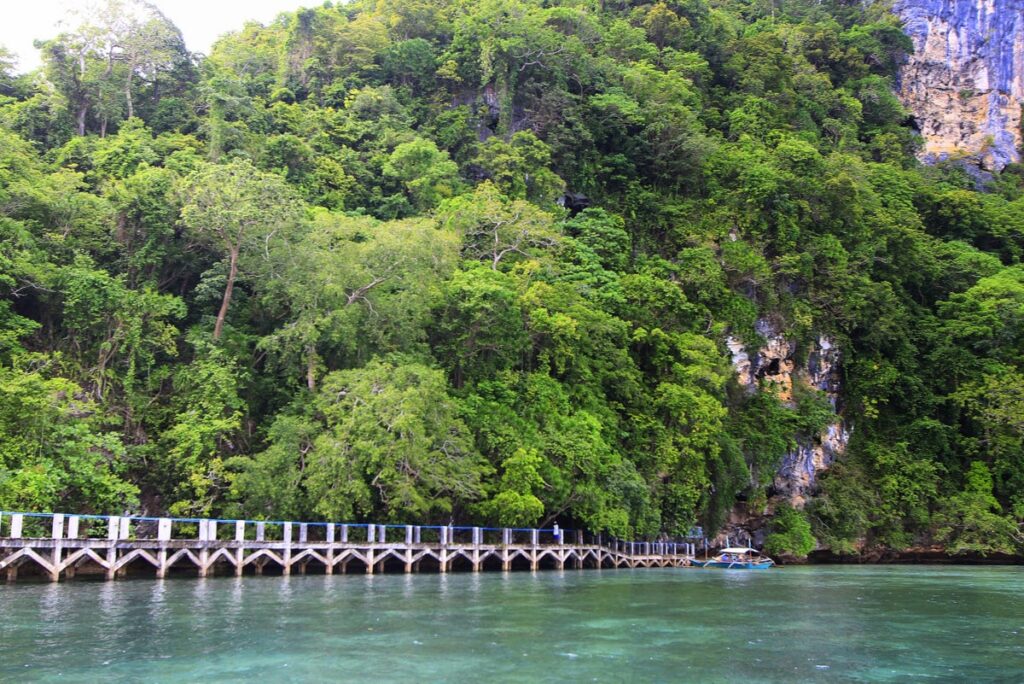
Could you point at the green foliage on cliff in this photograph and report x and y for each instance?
(432, 260)
(790, 534)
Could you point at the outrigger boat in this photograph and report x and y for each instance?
(739, 558)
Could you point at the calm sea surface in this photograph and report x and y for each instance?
(792, 624)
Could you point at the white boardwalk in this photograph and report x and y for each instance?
(58, 546)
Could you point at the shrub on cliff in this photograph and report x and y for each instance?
(790, 534)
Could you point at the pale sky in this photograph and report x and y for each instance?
(200, 21)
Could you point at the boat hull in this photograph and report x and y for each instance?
(733, 566)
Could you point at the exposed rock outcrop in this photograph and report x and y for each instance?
(965, 81)
(774, 365)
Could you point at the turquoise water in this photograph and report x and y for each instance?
(825, 624)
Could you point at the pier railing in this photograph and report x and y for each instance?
(62, 545)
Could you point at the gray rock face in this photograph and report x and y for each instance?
(965, 81)
(773, 366)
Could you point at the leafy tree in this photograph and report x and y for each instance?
(515, 504)
(519, 167)
(971, 520)
(54, 450)
(790, 534)
(426, 173)
(238, 209)
(351, 287)
(392, 446)
(494, 228)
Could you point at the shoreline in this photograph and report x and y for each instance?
(912, 556)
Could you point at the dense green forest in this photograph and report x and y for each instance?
(432, 260)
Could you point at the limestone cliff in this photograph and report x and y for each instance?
(774, 363)
(965, 81)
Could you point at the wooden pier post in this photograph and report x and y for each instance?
(506, 555)
(329, 534)
(204, 549)
(408, 549)
(239, 552)
(163, 535)
(57, 534)
(72, 533)
(477, 537)
(286, 556)
(534, 543)
(443, 553)
(112, 534)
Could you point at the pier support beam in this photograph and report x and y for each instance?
(286, 556)
(112, 535)
(329, 569)
(240, 538)
(57, 533)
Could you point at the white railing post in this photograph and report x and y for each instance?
(261, 531)
(239, 530)
(371, 531)
(163, 529)
(382, 534)
(112, 524)
(17, 520)
(73, 527)
(57, 527)
(408, 534)
(303, 533)
(124, 528)
(330, 533)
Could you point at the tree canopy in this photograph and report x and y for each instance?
(478, 261)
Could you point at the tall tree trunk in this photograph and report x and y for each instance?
(311, 367)
(81, 118)
(232, 273)
(128, 93)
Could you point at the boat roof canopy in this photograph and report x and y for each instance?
(739, 549)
